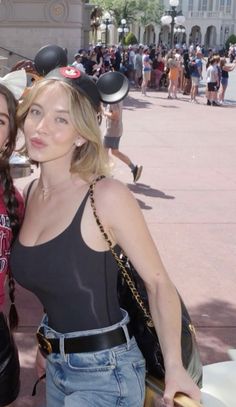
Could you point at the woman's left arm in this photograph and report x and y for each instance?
(128, 228)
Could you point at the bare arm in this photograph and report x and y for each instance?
(121, 215)
(229, 68)
(113, 115)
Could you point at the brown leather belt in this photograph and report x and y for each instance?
(82, 344)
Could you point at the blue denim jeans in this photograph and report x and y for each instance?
(112, 377)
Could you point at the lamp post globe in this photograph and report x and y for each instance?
(166, 20)
(171, 18)
(174, 3)
(106, 25)
(123, 29)
(179, 20)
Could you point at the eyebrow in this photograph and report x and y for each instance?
(5, 115)
(57, 110)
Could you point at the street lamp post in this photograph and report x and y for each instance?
(173, 17)
(123, 29)
(179, 30)
(106, 24)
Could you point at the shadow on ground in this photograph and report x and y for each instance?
(144, 189)
(131, 103)
(215, 323)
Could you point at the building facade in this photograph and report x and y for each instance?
(207, 22)
(27, 25)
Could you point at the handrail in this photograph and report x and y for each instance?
(155, 388)
(16, 53)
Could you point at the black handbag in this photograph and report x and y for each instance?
(133, 298)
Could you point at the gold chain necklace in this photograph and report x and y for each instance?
(47, 191)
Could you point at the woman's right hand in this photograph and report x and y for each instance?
(40, 364)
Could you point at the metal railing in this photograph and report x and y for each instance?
(10, 53)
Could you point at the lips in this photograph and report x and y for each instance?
(37, 143)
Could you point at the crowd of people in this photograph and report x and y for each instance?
(179, 70)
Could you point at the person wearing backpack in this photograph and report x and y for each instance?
(195, 68)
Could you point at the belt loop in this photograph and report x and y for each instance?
(62, 346)
(127, 337)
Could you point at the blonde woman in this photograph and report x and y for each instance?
(92, 357)
(173, 76)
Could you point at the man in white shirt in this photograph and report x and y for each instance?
(78, 62)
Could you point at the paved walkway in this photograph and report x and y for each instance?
(188, 196)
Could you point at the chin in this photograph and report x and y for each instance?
(36, 157)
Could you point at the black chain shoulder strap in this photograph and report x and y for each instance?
(119, 261)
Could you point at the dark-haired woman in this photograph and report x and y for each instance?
(11, 210)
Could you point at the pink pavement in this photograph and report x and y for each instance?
(187, 193)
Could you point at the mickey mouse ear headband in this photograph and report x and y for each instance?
(15, 82)
(111, 87)
(48, 58)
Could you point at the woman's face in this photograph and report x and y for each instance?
(4, 121)
(49, 132)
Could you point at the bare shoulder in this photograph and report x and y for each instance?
(110, 190)
(113, 199)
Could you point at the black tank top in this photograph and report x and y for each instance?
(76, 285)
(224, 74)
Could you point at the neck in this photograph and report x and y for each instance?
(48, 190)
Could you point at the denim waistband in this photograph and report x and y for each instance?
(51, 333)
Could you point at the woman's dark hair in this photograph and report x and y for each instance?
(9, 195)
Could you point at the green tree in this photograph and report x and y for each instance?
(230, 40)
(152, 12)
(143, 11)
(130, 39)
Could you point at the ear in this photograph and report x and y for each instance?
(80, 141)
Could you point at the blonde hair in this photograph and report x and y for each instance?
(90, 160)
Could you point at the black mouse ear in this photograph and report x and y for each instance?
(48, 58)
(113, 87)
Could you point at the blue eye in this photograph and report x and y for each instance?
(62, 120)
(34, 111)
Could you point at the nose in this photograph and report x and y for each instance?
(43, 124)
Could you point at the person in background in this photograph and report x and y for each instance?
(91, 355)
(78, 62)
(212, 79)
(146, 70)
(131, 56)
(11, 214)
(225, 69)
(113, 133)
(138, 66)
(186, 74)
(92, 68)
(158, 67)
(117, 58)
(173, 67)
(196, 75)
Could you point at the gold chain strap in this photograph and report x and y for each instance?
(123, 270)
